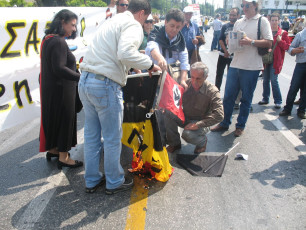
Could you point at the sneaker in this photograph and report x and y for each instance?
(277, 106)
(236, 106)
(301, 115)
(262, 102)
(93, 189)
(127, 184)
(284, 113)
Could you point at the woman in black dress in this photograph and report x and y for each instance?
(58, 82)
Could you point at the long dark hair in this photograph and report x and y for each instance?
(56, 25)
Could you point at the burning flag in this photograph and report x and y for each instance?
(143, 130)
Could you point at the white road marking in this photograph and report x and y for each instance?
(286, 76)
(41, 200)
(20, 134)
(36, 207)
(296, 142)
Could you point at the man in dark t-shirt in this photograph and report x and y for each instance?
(285, 24)
(225, 57)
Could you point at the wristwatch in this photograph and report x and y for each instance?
(253, 42)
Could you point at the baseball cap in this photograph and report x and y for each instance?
(188, 9)
(150, 17)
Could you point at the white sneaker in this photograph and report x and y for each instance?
(277, 106)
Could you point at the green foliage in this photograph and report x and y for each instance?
(97, 3)
(94, 3)
(220, 11)
(18, 3)
(158, 6)
(4, 3)
(163, 6)
(51, 2)
(75, 3)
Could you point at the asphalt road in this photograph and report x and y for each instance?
(268, 191)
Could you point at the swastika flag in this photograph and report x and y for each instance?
(171, 97)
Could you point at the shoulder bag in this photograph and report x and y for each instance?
(261, 51)
(268, 58)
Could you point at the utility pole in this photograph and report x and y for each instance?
(287, 2)
(297, 9)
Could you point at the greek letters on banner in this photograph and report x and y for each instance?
(21, 32)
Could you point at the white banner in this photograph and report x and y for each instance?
(21, 33)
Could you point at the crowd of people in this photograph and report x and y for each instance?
(130, 40)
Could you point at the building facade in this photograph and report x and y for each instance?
(293, 8)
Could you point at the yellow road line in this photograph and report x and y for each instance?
(136, 216)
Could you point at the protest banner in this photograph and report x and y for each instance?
(21, 32)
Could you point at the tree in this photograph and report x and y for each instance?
(18, 3)
(51, 3)
(97, 3)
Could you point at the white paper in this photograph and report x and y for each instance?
(233, 41)
(242, 156)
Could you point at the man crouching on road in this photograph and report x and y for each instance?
(202, 106)
(112, 52)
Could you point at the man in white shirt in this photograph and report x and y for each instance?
(112, 52)
(245, 66)
(217, 25)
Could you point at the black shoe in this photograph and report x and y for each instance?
(218, 128)
(296, 102)
(50, 155)
(263, 102)
(75, 165)
(93, 189)
(301, 115)
(284, 113)
(127, 184)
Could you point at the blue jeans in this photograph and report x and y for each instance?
(103, 106)
(269, 75)
(215, 40)
(246, 81)
(297, 80)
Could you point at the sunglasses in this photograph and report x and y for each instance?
(148, 21)
(122, 4)
(245, 5)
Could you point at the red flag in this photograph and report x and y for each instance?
(171, 97)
